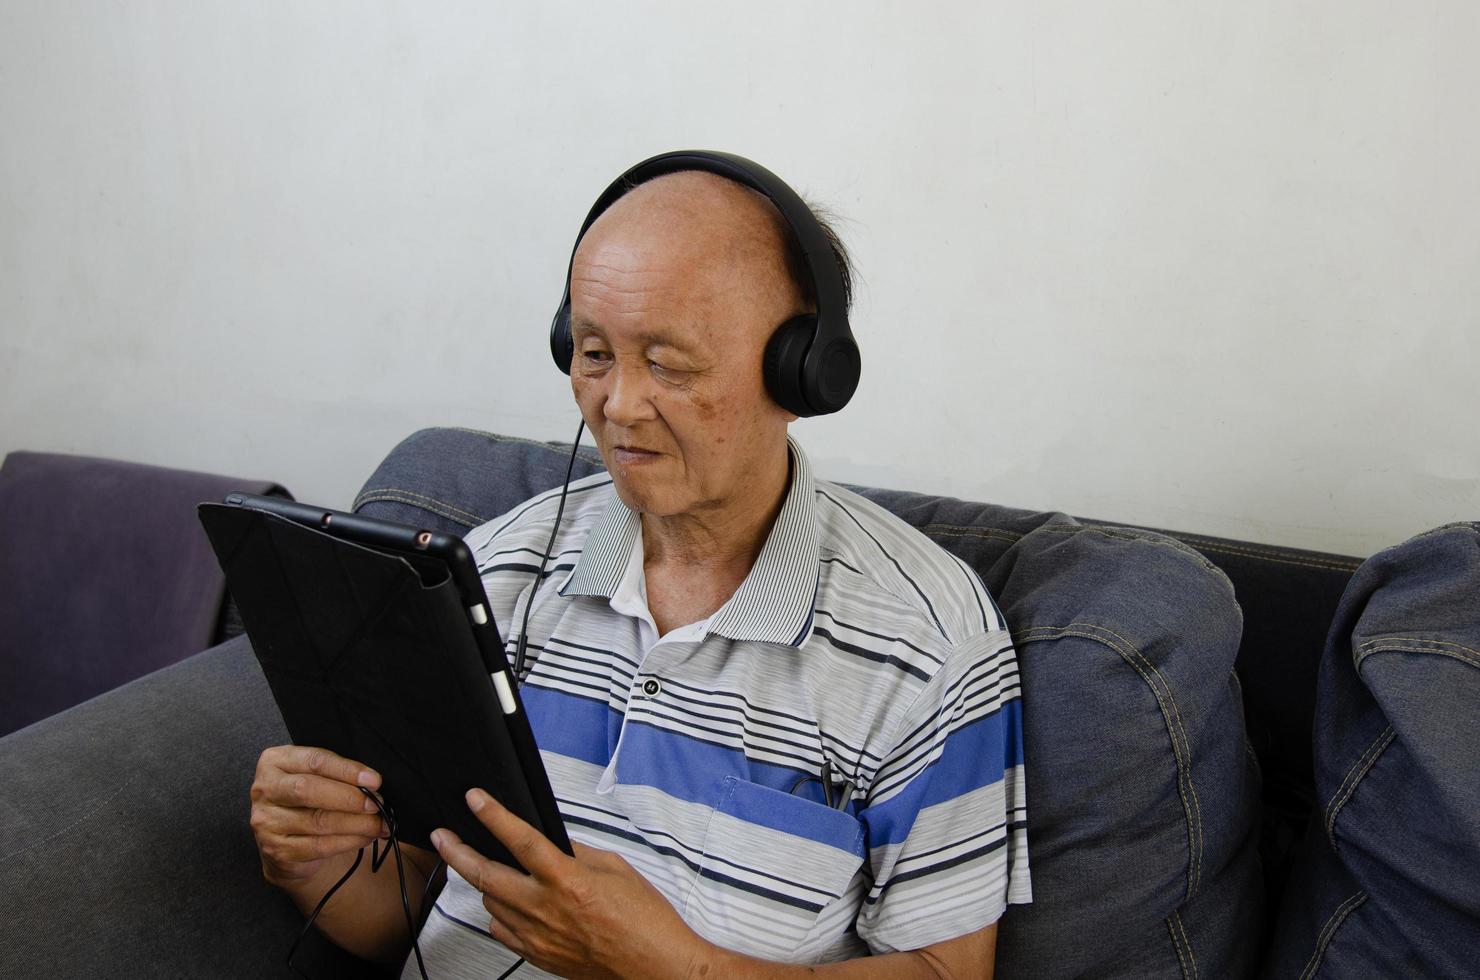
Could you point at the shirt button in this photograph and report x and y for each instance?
(651, 687)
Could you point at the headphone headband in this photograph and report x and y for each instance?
(825, 370)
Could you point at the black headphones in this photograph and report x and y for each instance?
(811, 364)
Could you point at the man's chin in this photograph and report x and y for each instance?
(640, 498)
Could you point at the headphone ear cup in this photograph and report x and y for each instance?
(562, 346)
(786, 353)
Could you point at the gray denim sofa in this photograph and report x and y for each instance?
(1167, 791)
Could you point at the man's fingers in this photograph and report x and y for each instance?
(460, 857)
(508, 924)
(489, 877)
(595, 857)
(528, 846)
(504, 934)
(307, 805)
(322, 762)
(325, 823)
(302, 789)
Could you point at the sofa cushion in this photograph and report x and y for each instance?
(1142, 791)
(1389, 881)
(453, 480)
(125, 849)
(107, 575)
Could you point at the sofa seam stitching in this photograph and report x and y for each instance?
(1354, 777)
(1328, 932)
(1415, 639)
(496, 437)
(398, 495)
(1157, 538)
(967, 531)
(1191, 953)
(1326, 566)
(1351, 770)
(1181, 752)
(1197, 542)
(1462, 658)
(1177, 947)
(1178, 928)
(71, 826)
(1211, 544)
(1201, 542)
(421, 496)
(1187, 750)
(1400, 644)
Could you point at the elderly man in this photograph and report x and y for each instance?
(782, 725)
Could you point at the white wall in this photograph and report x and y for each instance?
(1203, 266)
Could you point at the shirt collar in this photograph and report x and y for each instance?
(773, 605)
(607, 551)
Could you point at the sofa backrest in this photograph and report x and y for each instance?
(192, 733)
(454, 479)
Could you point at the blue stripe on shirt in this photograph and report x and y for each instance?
(691, 768)
(680, 765)
(973, 756)
(567, 724)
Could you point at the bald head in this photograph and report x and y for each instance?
(728, 242)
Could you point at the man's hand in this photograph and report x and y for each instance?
(307, 808)
(593, 916)
(309, 818)
(590, 915)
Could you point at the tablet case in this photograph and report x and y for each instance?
(372, 659)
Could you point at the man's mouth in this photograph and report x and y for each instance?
(635, 452)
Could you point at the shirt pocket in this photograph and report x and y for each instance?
(771, 865)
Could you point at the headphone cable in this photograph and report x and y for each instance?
(539, 576)
(521, 649)
(377, 858)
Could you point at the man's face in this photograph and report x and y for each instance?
(670, 312)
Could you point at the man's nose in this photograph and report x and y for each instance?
(630, 397)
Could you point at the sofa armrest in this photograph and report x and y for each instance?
(125, 848)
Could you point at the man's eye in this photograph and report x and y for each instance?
(595, 357)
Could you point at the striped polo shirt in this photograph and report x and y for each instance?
(855, 645)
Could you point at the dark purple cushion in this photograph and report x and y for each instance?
(107, 576)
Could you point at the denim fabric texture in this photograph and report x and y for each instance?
(1389, 882)
(455, 479)
(1142, 791)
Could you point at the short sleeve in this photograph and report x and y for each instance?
(945, 818)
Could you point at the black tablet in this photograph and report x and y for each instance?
(378, 644)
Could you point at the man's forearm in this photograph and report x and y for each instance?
(968, 957)
(365, 917)
(893, 966)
